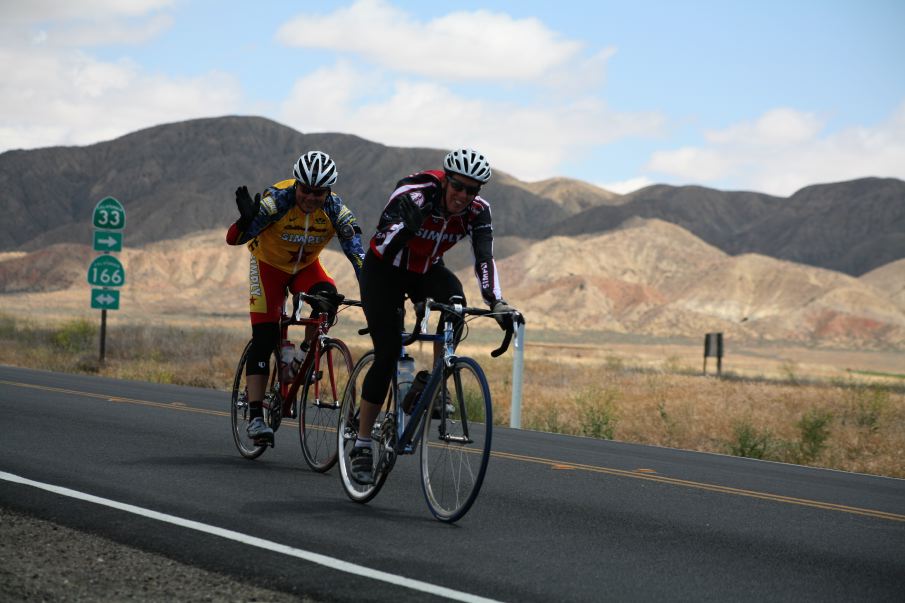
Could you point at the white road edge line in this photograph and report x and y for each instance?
(330, 562)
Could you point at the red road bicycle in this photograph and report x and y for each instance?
(322, 378)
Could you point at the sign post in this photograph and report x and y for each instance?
(106, 271)
(713, 347)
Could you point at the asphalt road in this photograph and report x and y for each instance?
(559, 518)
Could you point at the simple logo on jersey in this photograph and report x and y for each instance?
(485, 275)
(269, 205)
(301, 239)
(446, 237)
(254, 277)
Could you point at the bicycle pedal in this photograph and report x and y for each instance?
(263, 442)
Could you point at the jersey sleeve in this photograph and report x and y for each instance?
(481, 233)
(392, 236)
(348, 232)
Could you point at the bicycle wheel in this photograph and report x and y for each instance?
(238, 409)
(321, 398)
(455, 441)
(347, 431)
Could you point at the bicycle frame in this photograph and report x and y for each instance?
(408, 433)
(406, 440)
(289, 391)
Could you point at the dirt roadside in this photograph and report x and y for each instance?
(42, 561)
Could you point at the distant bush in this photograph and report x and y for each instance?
(750, 442)
(814, 427)
(76, 336)
(597, 412)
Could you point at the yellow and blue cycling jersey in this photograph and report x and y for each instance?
(288, 239)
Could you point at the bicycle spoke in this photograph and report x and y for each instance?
(320, 405)
(456, 446)
(238, 412)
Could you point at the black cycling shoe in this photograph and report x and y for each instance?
(362, 465)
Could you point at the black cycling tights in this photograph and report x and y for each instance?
(265, 337)
(383, 290)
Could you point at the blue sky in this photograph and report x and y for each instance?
(766, 96)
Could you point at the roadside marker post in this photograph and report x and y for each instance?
(106, 271)
(713, 347)
(518, 363)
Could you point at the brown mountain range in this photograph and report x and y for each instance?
(851, 227)
(177, 179)
(180, 178)
(648, 277)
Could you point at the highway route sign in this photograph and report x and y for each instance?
(109, 214)
(106, 271)
(105, 299)
(108, 240)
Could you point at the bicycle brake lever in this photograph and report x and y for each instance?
(505, 345)
(427, 313)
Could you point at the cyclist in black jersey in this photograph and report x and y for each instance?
(426, 215)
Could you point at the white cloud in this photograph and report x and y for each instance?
(624, 187)
(105, 31)
(54, 10)
(692, 163)
(479, 45)
(68, 97)
(528, 141)
(777, 127)
(786, 150)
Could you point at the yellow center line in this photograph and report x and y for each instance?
(175, 405)
(554, 464)
(704, 486)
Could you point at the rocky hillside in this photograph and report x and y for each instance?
(649, 277)
(180, 178)
(851, 227)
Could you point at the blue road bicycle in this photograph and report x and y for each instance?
(451, 421)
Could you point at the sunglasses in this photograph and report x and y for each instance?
(311, 191)
(461, 186)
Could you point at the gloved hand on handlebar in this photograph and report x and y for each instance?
(412, 218)
(502, 312)
(248, 208)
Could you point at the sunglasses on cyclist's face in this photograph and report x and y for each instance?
(307, 190)
(461, 186)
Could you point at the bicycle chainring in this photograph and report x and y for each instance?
(273, 405)
(386, 441)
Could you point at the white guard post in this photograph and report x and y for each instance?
(518, 363)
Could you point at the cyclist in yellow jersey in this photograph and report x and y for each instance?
(285, 231)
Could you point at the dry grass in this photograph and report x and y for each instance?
(849, 423)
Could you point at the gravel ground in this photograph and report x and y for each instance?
(42, 561)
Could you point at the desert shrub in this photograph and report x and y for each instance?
(749, 441)
(597, 412)
(76, 336)
(814, 428)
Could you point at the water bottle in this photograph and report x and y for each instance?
(405, 374)
(287, 355)
(298, 358)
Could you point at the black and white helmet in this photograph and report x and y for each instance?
(469, 163)
(315, 169)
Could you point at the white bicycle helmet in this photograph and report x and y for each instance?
(315, 169)
(469, 163)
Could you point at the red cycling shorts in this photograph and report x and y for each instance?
(268, 286)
